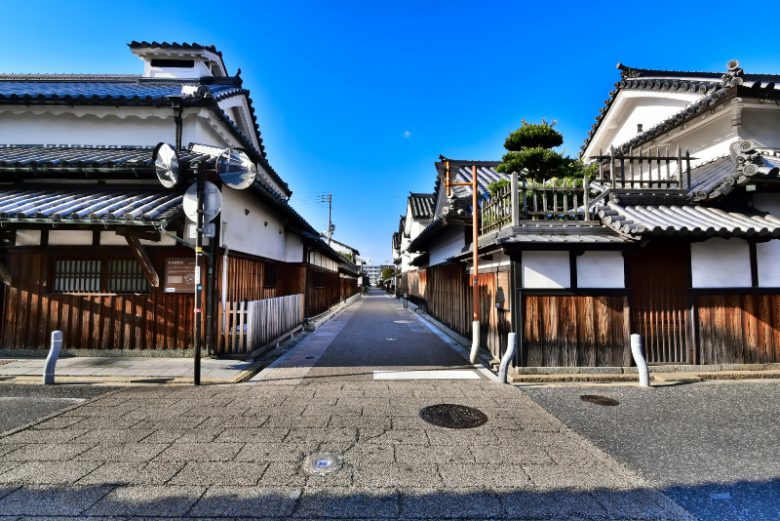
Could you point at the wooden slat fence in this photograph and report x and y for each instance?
(576, 330)
(248, 325)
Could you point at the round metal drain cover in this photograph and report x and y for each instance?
(599, 400)
(321, 463)
(453, 416)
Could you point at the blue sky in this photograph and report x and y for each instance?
(359, 98)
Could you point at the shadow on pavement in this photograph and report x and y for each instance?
(122, 501)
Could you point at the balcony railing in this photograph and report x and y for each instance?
(646, 169)
(552, 200)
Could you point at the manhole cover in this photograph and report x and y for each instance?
(402, 321)
(453, 416)
(321, 463)
(599, 400)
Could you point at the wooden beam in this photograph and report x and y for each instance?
(145, 234)
(143, 259)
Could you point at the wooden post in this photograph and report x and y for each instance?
(515, 200)
(586, 197)
(688, 167)
(475, 239)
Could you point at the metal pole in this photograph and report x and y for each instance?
(198, 286)
(475, 268)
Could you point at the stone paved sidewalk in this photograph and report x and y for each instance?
(106, 369)
(236, 452)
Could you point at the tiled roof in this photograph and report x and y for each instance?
(715, 88)
(136, 90)
(460, 172)
(687, 220)
(84, 89)
(550, 232)
(720, 176)
(37, 158)
(89, 205)
(173, 46)
(422, 205)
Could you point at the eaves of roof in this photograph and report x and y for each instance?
(138, 91)
(422, 205)
(119, 162)
(92, 205)
(715, 88)
(697, 221)
(175, 46)
(721, 175)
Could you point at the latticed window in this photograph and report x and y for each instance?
(99, 276)
(77, 276)
(126, 276)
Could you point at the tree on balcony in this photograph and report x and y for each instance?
(530, 152)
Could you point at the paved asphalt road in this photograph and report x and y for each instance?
(21, 404)
(379, 336)
(712, 447)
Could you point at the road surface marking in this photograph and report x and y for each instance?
(447, 374)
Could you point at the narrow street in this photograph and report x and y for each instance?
(325, 437)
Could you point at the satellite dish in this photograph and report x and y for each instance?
(236, 169)
(212, 202)
(166, 165)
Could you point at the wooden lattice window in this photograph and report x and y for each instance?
(99, 276)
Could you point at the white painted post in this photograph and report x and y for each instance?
(51, 360)
(474, 341)
(503, 367)
(639, 359)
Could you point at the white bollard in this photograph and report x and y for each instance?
(503, 367)
(474, 341)
(639, 359)
(51, 360)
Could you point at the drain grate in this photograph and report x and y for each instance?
(321, 463)
(599, 400)
(453, 416)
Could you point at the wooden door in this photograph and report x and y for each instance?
(660, 311)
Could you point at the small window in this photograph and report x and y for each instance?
(77, 276)
(319, 279)
(99, 276)
(270, 275)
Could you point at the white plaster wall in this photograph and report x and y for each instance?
(68, 129)
(499, 262)
(450, 244)
(720, 263)
(601, 269)
(761, 127)
(631, 107)
(70, 237)
(248, 232)
(293, 248)
(768, 260)
(28, 237)
(113, 239)
(767, 203)
(546, 270)
(318, 259)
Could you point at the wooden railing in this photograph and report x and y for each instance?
(249, 325)
(552, 200)
(645, 170)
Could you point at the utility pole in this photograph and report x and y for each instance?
(328, 198)
(474, 185)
